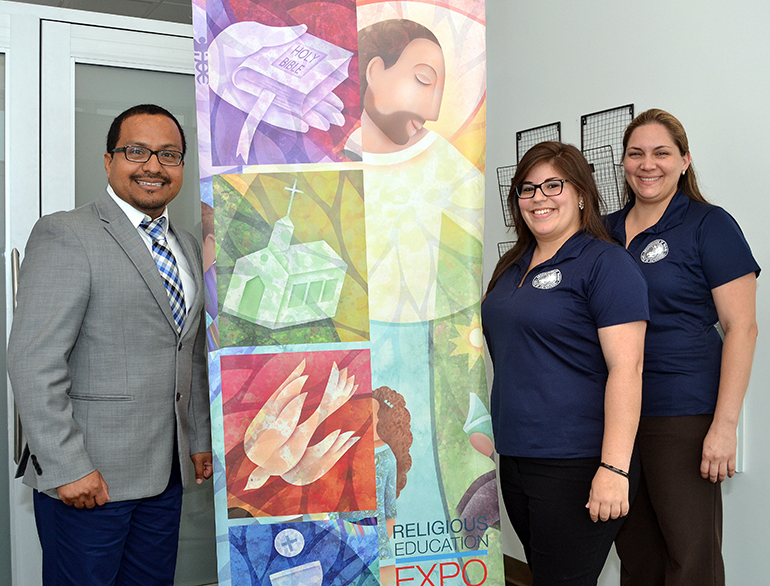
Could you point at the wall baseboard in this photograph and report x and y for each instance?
(516, 572)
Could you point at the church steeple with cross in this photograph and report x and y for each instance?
(286, 284)
(284, 228)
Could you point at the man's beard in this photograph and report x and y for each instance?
(396, 125)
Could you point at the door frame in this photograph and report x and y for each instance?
(51, 41)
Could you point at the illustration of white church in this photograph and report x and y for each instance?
(286, 284)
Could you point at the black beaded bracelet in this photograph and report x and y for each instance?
(613, 469)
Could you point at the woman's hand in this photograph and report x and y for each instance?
(608, 498)
(719, 447)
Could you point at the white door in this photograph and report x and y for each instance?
(91, 67)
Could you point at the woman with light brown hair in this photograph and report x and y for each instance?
(700, 273)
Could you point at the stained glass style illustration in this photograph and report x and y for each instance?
(286, 284)
(304, 554)
(282, 75)
(282, 81)
(297, 427)
(291, 263)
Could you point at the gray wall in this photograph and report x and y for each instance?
(705, 62)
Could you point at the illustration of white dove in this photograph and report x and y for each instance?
(278, 445)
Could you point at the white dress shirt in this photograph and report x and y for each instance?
(136, 217)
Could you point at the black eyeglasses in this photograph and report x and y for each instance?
(137, 154)
(550, 188)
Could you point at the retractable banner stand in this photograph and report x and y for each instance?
(342, 174)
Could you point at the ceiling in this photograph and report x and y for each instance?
(168, 10)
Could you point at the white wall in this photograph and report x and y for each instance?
(707, 63)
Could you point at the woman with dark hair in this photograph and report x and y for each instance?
(564, 318)
(700, 273)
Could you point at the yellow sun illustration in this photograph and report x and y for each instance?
(470, 341)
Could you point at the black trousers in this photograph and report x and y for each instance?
(546, 503)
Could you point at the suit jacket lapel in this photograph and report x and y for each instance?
(194, 261)
(126, 235)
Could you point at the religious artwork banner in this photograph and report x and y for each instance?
(342, 180)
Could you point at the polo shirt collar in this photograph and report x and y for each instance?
(570, 249)
(673, 216)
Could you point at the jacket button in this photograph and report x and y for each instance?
(179, 348)
(178, 396)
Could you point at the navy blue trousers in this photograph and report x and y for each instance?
(127, 543)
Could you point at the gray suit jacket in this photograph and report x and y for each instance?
(100, 376)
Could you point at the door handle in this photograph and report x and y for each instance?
(18, 432)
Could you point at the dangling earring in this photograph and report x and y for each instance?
(581, 205)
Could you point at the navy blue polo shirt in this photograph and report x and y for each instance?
(550, 374)
(693, 248)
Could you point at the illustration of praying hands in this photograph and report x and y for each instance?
(278, 444)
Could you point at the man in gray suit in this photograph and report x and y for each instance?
(108, 366)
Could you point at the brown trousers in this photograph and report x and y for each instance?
(673, 533)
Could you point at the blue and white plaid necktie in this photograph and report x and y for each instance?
(169, 271)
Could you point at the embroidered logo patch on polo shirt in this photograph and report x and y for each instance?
(655, 251)
(547, 280)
